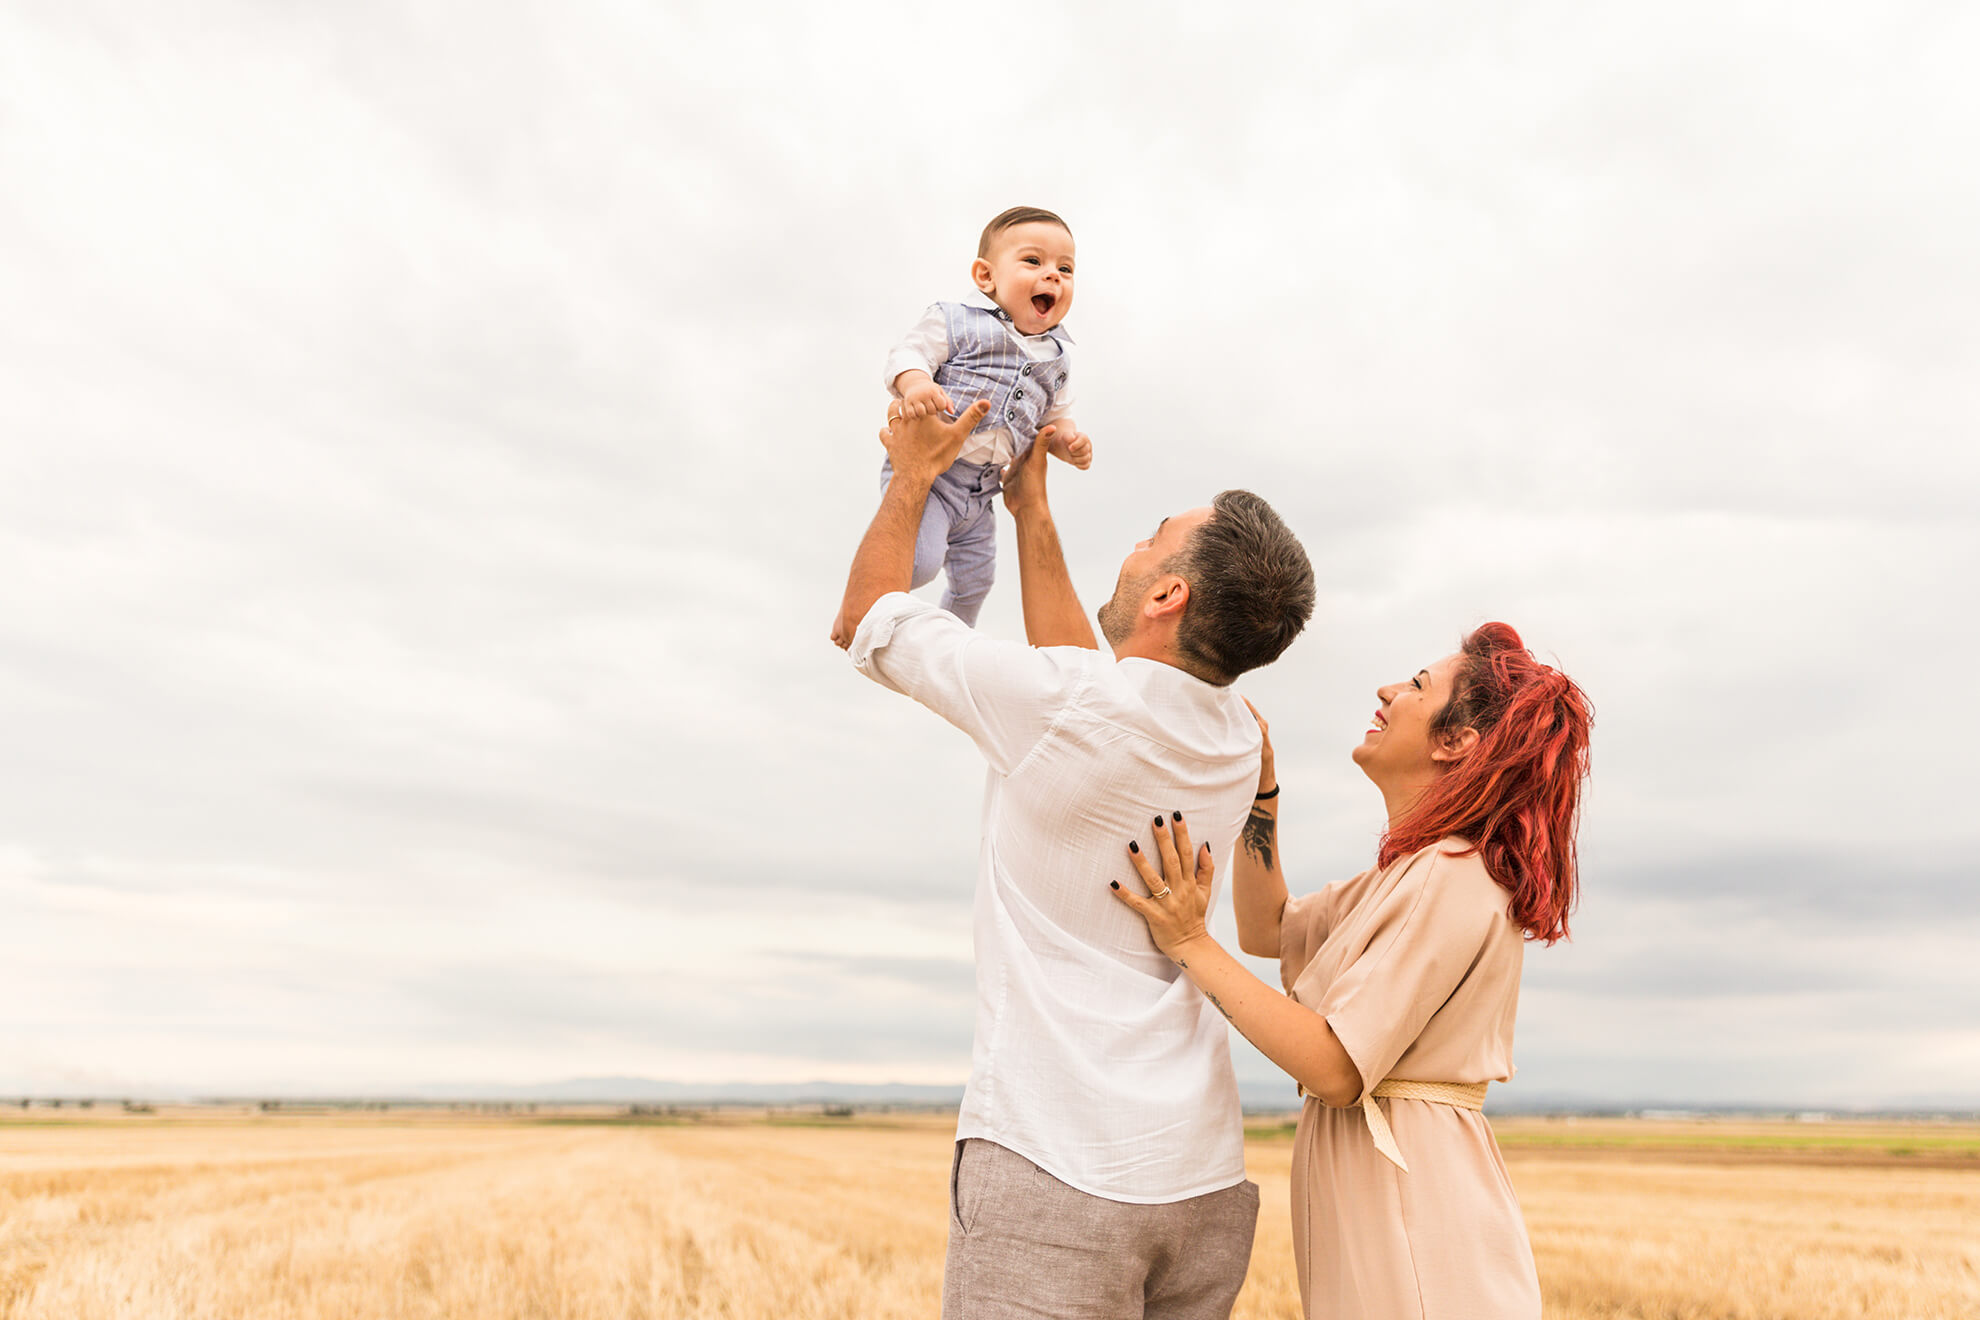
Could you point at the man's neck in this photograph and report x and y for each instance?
(1162, 651)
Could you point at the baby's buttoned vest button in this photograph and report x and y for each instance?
(1025, 370)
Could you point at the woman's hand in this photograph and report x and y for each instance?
(1179, 898)
(1268, 774)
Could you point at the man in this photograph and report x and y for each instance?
(1099, 1163)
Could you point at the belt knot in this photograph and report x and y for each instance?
(1460, 1095)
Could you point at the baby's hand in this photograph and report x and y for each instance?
(1064, 440)
(921, 396)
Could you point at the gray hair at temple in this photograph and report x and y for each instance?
(1250, 588)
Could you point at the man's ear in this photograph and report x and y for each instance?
(1170, 598)
(1454, 744)
(979, 270)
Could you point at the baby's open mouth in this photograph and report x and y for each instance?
(1042, 303)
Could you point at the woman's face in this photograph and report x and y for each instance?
(1398, 747)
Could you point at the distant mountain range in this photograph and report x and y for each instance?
(1257, 1096)
(646, 1091)
(1266, 1096)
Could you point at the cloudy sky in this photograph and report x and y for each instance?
(432, 439)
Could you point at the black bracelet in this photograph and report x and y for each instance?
(1262, 796)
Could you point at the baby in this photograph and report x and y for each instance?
(1002, 343)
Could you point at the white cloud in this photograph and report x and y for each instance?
(434, 444)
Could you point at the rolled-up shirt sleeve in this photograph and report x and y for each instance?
(1005, 695)
(923, 348)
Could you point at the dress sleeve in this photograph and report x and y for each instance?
(1428, 932)
(1302, 930)
(1005, 695)
(923, 348)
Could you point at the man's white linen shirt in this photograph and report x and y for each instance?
(1095, 1058)
(926, 347)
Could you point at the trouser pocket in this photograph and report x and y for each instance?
(955, 1191)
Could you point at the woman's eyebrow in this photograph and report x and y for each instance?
(1423, 674)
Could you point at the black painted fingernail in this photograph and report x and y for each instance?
(1133, 846)
(1158, 822)
(1178, 815)
(1113, 884)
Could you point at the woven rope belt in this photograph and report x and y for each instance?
(1462, 1095)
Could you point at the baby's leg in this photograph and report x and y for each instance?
(972, 561)
(932, 540)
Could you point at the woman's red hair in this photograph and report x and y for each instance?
(1517, 795)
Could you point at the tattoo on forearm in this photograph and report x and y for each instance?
(1261, 836)
(1227, 1016)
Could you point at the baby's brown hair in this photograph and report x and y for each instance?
(1017, 215)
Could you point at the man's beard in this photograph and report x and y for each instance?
(1117, 615)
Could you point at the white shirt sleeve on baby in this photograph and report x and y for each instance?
(1062, 400)
(924, 347)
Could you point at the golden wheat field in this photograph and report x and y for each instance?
(230, 1216)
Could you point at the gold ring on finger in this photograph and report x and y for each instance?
(1160, 893)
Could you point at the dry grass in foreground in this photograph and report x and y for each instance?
(501, 1220)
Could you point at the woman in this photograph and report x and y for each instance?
(1402, 982)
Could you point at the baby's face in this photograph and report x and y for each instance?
(1029, 273)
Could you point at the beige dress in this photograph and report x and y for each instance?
(1416, 968)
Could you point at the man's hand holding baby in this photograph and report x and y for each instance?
(1065, 441)
(921, 396)
(921, 445)
(921, 448)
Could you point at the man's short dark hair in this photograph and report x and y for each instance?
(1017, 215)
(1250, 588)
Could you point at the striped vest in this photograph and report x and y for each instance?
(986, 363)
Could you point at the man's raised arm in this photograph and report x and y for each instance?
(1052, 612)
(921, 449)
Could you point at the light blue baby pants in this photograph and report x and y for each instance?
(959, 533)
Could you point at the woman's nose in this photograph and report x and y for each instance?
(1385, 695)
